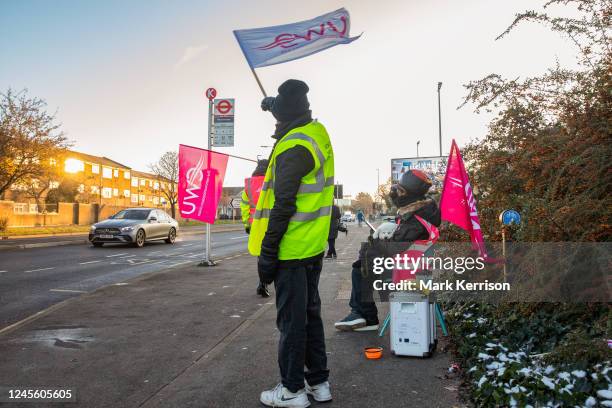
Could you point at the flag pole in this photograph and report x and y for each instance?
(263, 91)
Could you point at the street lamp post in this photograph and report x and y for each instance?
(418, 142)
(439, 118)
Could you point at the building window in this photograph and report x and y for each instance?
(95, 190)
(75, 165)
(116, 192)
(126, 193)
(107, 172)
(126, 174)
(143, 182)
(81, 188)
(107, 192)
(95, 169)
(53, 162)
(20, 208)
(53, 184)
(134, 181)
(150, 183)
(135, 198)
(116, 173)
(142, 198)
(156, 186)
(155, 200)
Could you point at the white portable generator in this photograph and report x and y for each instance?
(413, 324)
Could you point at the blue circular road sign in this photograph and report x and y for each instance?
(508, 217)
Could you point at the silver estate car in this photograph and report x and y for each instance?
(134, 226)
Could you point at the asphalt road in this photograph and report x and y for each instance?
(34, 279)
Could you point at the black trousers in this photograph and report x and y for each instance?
(332, 247)
(298, 318)
(362, 299)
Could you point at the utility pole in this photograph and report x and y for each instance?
(439, 118)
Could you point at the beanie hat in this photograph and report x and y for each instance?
(291, 102)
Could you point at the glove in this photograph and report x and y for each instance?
(267, 103)
(247, 229)
(267, 265)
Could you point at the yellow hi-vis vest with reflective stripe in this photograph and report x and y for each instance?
(306, 235)
(244, 208)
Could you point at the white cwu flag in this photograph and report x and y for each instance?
(275, 45)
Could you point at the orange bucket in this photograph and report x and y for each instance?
(373, 353)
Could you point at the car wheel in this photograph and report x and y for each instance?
(140, 239)
(97, 244)
(171, 236)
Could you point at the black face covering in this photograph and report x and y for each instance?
(401, 200)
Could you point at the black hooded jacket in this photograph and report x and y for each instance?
(409, 229)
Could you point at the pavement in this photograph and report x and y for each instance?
(199, 337)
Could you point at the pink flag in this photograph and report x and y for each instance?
(458, 204)
(201, 174)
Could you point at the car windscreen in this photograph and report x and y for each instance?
(132, 215)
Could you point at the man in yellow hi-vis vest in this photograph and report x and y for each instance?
(289, 235)
(248, 206)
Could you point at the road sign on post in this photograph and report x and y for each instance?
(224, 122)
(235, 203)
(211, 93)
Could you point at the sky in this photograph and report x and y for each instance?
(127, 78)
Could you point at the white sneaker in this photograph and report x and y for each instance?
(280, 396)
(320, 392)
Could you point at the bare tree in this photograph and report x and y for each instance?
(363, 201)
(29, 137)
(166, 169)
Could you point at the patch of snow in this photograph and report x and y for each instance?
(564, 376)
(548, 382)
(590, 402)
(578, 373)
(606, 403)
(471, 335)
(526, 371)
(549, 369)
(482, 380)
(484, 356)
(605, 394)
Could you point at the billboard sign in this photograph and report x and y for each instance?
(433, 166)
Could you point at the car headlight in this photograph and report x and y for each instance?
(127, 229)
(92, 229)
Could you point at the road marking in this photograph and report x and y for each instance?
(3, 271)
(37, 270)
(240, 237)
(67, 290)
(181, 263)
(89, 262)
(129, 256)
(111, 256)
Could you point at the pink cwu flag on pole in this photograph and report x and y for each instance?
(457, 204)
(201, 174)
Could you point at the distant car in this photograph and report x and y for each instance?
(387, 217)
(224, 217)
(134, 226)
(346, 218)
